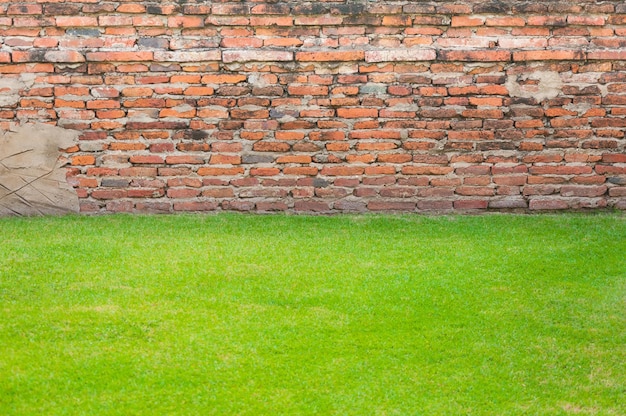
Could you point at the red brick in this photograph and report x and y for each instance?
(279, 9)
(108, 193)
(311, 206)
(137, 171)
(561, 170)
(76, 21)
(185, 21)
(475, 55)
(223, 79)
(465, 21)
(610, 170)
(400, 55)
(195, 206)
(324, 20)
(395, 158)
(357, 112)
(426, 170)
(607, 55)
(24, 9)
(505, 21)
(220, 171)
(264, 171)
(184, 159)
(471, 135)
(614, 158)
(182, 192)
(134, 56)
(548, 204)
(83, 160)
(550, 55)
(583, 191)
(380, 170)
(115, 21)
(586, 20)
(434, 205)
(187, 56)
(220, 159)
(391, 206)
(137, 92)
(271, 147)
(330, 56)
(131, 8)
(342, 170)
(199, 92)
(294, 159)
(510, 180)
(145, 193)
(102, 104)
(289, 135)
(491, 113)
(301, 170)
(229, 56)
(307, 89)
(147, 159)
(397, 20)
(471, 204)
(271, 21)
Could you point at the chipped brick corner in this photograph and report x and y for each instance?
(342, 106)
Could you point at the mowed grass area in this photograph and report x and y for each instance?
(297, 315)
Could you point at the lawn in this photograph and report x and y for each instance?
(298, 315)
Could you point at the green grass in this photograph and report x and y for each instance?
(296, 315)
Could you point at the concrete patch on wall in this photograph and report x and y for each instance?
(540, 85)
(10, 87)
(32, 177)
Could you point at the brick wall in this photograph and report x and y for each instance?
(326, 106)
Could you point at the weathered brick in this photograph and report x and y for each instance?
(323, 20)
(400, 55)
(76, 21)
(471, 204)
(475, 55)
(307, 90)
(464, 21)
(265, 21)
(187, 56)
(185, 21)
(126, 56)
(256, 56)
(357, 112)
(607, 54)
(342, 170)
(330, 56)
(391, 206)
(548, 204)
(550, 55)
(195, 206)
(271, 146)
(507, 21)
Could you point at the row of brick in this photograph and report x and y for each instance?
(209, 18)
(336, 7)
(74, 49)
(343, 206)
(370, 56)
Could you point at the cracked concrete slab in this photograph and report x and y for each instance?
(32, 174)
